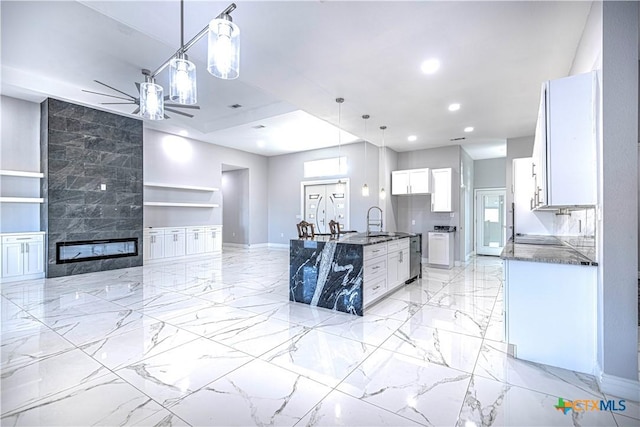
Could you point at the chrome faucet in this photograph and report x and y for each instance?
(374, 223)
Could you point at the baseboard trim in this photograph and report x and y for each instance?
(612, 385)
(257, 245)
(278, 245)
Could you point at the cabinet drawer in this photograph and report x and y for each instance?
(26, 238)
(195, 229)
(373, 251)
(374, 289)
(175, 231)
(376, 267)
(154, 232)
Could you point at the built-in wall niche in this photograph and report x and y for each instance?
(178, 195)
(20, 200)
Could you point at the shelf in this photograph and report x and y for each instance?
(21, 173)
(21, 200)
(180, 187)
(183, 205)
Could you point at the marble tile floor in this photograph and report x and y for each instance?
(215, 342)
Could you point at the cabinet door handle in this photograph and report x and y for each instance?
(531, 204)
(23, 238)
(533, 169)
(26, 247)
(376, 267)
(401, 257)
(377, 287)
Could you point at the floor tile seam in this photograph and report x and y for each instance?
(621, 414)
(34, 404)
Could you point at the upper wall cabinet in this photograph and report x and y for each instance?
(564, 154)
(441, 190)
(412, 181)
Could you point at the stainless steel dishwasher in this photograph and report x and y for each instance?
(415, 257)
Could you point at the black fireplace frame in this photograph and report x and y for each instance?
(60, 245)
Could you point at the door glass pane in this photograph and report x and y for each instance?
(493, 211)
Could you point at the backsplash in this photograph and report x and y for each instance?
(580, 222)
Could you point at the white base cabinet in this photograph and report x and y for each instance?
(22, 256)
(550, 313)
(175, 242)
(441, 253)
(386, 267)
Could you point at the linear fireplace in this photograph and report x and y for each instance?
(89, 250)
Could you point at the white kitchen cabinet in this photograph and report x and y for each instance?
(411, 181)
(543, 297)
(375, 272)
(441, 247)
(153, 244)
(213, 239)
(397, 263)
(441, 190)
(174, 242)
(196, 240)
(564, 154)
(22, 256)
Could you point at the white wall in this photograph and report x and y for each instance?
(618, 194)
(235, 202)
(489, 173)
(19, 150)
(286, 173)
(467, 234)
(178, 160)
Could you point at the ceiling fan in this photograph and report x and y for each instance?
(132, 100)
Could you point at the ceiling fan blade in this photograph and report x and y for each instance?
(117, 103)
(178, 112)
(136, 111)
(105, 94)
(113, 88)
(193, 107)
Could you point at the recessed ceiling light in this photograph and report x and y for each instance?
(454, 107)
(412, 138)
(430, 66)
(468, 129)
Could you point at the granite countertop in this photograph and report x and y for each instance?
(551, 249)
(359, 238)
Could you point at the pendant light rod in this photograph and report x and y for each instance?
(185, 47)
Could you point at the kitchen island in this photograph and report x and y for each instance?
(550, 300)
(348, 272)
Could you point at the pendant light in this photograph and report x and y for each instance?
(151, 99)
(365, 187)
(340, 185)
(182, 72)
(383, 194)
(223, 59)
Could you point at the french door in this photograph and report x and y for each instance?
(326, 202)
(491, 230)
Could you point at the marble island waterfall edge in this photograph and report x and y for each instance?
(326, 274)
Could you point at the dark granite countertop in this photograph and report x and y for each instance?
(359, 238)
(551, 249)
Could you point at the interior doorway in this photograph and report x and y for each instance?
(235, 205)
(326, 201)
(491, 229)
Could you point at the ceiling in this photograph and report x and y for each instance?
(298, 57)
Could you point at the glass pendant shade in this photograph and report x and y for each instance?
(224, 49)
(365, 190)
(182, 81)
(151, 101)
